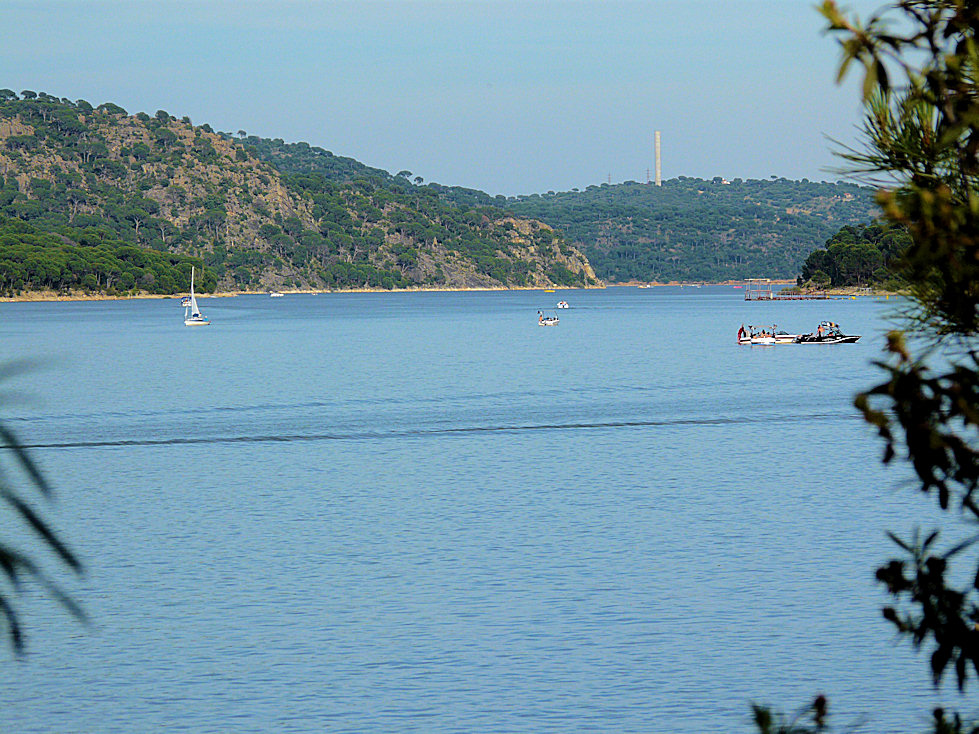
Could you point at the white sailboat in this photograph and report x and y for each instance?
(192, 313)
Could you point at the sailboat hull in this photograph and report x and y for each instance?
(195, 322)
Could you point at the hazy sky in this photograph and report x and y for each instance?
(509, 96)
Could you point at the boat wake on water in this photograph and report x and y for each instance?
(435, 432)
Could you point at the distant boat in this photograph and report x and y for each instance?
(766, 335)
(563, 304)
(185, 301)
(192, 313)
(275, 294)
(543, 320)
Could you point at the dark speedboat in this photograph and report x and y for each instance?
(827, 333)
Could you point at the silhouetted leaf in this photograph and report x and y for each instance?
(25, 460)
(16, 634)
(35, 521)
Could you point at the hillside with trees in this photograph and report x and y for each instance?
(84, 176)
(265, 214)
(690, 229)
(424, 228)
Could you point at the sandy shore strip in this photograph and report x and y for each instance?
(35, 296)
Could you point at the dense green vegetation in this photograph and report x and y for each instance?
(93, 181)
(688, 229)
(299, 158)
(263, 213)
(77, 204)
(89, 261)
(300, 218)
(359, 210)
(695, 230)
(856, 256)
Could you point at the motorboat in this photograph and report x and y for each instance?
(275, 294)
(192, 313)
(543, 320)
(827, 332)
(563, 304)
(765, 335)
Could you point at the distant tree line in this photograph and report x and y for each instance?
(857, 255)
(32, 260)
(697, 230)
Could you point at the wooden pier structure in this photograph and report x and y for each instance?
(760, 289)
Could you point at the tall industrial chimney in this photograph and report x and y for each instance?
(659, 171)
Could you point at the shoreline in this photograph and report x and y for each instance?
(856, 291)
(53, 296)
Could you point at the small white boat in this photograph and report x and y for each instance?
(765, 335)
(192, 313)
(275, 294)
(563, 304)
(543, 320)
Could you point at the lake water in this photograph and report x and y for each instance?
(422, 512)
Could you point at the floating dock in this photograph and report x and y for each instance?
(760, 289)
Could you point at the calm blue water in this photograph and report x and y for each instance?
(422, 512)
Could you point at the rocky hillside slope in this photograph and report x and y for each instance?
(97, 175)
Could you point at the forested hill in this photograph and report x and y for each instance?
(80, 184)
(76, 178)
(688, 229)
(695, 230)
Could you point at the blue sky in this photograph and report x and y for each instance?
(509, 96)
